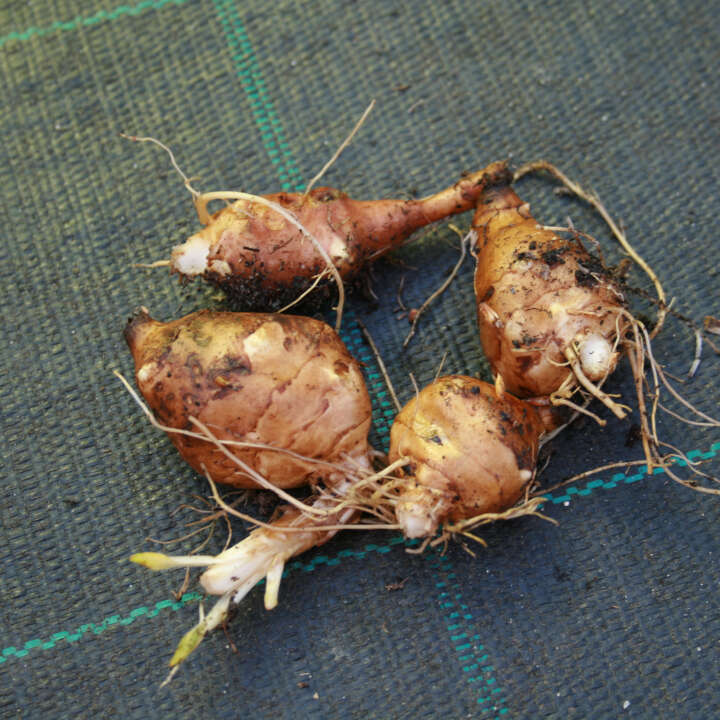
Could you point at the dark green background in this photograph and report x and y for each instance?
(617, 604)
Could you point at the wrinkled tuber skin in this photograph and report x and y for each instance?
(475, 450)
(263, 261)
(282, 380)
(538, 293)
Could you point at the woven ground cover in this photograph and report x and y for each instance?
(612, 612)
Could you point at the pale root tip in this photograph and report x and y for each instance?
(272, 583)
(596, 357)
(191, 258)
(414, 525)
(153, 560)
(270, 600)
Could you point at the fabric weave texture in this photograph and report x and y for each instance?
(615, 611)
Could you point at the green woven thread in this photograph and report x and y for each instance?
(317, 561)
(473, 661)
(97, 628)
(595, 484)
(248, 71)
(246, 65)
(99, 16)
(383, 409)
(618, 478)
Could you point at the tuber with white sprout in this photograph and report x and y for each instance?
(554, 320)
(256, 401)
(550, 315)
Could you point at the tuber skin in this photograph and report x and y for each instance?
(469, 449)
(550, 315)
(264, 262)
(281, 380)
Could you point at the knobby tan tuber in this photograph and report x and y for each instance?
(550, 314)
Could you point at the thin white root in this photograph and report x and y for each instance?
(679, 456)
(529, 507)
(639, 349)
(185, 178)
(588, 473)
(421, 549)
(685, 420)
(304, 293)
(657, 368)
(317, 509)
(698, 354)
(636, 357)
(467, 240)
(554, 400)
(592, 199)
(463, 528)
(439, 367)
(343, 145)
(152, 265)
(381, 364)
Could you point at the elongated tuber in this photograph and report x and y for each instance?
(264, 261)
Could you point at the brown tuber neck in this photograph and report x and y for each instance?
(387, 228)
(498, 197)
(464, 194)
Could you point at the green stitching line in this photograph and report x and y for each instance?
(96, 629)
(246, 66)
(472, 660)
(99, 16)
(275, 144)
(383, 412)
(250, 75)
(628, 479)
